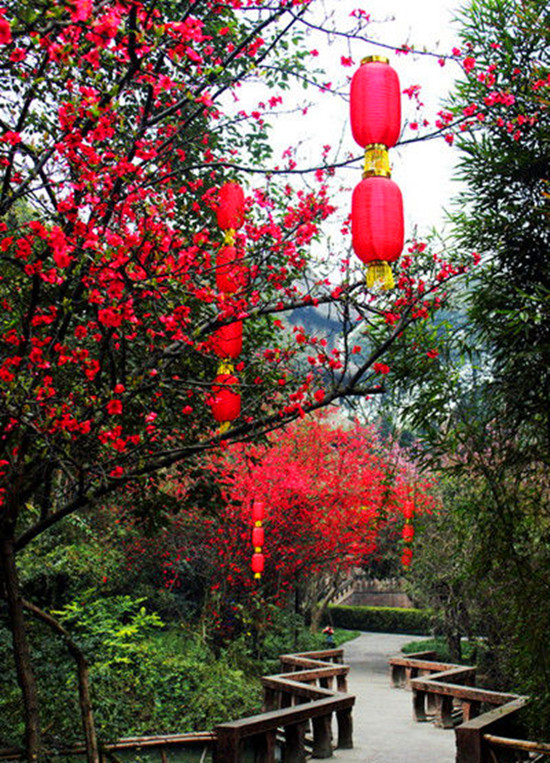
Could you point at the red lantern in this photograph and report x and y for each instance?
(408, 533)
(258, 537)
(258, 564)
(377, 226)
(408, 509)
(225, 401)
(230, 272)
(375, 103)
(406, 557)
(258, 511)
(228, 340)
(230, 209)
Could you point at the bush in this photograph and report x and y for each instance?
(381, 619)
(470, 649)
(287, 633)
(145, 678)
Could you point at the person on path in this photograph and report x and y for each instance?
(329, 637)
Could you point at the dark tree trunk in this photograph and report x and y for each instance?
(21, 650)
(454, 644)
(86, 712)
(319, 608)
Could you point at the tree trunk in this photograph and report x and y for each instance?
(319, 608)
(21, 651)
(86, 712)
(454, 643)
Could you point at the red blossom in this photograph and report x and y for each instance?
(114, 407)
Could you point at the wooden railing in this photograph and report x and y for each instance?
(301, 695)
(487, 720)
(305, 697)
(198, 741)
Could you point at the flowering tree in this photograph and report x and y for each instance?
(329, 491)
(118, 128)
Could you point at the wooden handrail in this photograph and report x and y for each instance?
(165, 740)
(315, 703)
(541, 748)
(436, 696)
(462, 692)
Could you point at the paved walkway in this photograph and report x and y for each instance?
(383, 729)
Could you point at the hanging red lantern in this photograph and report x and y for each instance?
(408, 533)
(258, 508)
(258, 537)
(230, 207)
(225, 401)
(230, 271)
(258, 564)
(228, 340)
(377, 227)
(408, 509)
(375, 103)
(406, 557)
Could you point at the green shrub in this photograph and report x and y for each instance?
(145, 678)
(381, 619)
(470, 649)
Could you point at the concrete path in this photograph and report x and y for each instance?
(383, 729)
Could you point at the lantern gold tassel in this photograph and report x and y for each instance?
(224, 427)
(225, 367)
(258, 575)
(229, 238)
(380, 273)
(377, 161)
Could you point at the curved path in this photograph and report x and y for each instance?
(384, 731)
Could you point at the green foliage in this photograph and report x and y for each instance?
(504, 207)
(144, 679)
(382, 619)
(470, 649)
(483, 409)
(114, 626)
(287, 633)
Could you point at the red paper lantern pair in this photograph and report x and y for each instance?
(377, 204)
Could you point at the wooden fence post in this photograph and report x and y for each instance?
(345, 729)
(227, 746)
(444, 711)
(419, 705)
(295, 750)
(342, 683)
(322, 742)
(264, 746)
